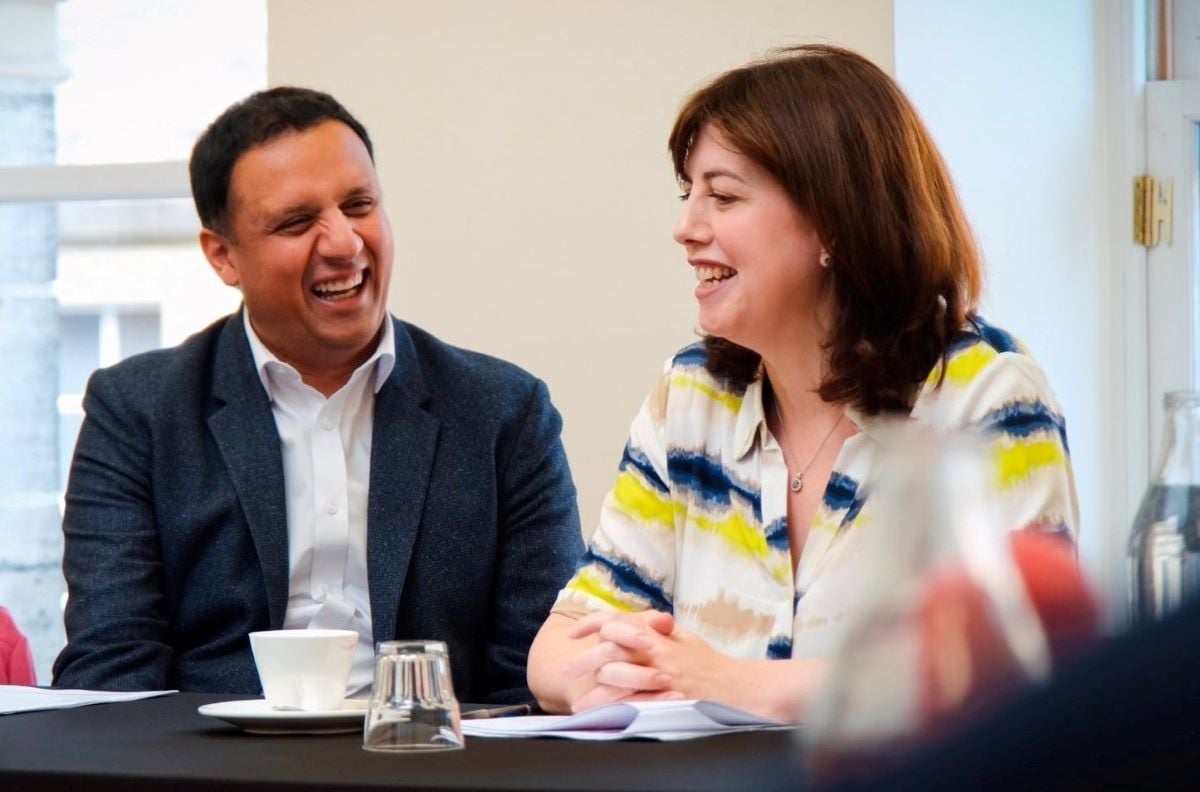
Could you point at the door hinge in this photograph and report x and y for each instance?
(1152, 204)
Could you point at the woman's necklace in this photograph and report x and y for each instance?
(797, 481)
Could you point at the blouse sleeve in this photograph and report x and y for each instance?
(629, 563)
(1010, 400)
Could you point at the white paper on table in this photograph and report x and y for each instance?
(647, 720)
(21, 698)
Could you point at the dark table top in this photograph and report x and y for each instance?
(164, 742)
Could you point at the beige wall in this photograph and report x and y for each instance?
(522, 147)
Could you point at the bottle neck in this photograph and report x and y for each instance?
(1180, 462)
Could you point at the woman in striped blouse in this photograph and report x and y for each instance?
(837, 284)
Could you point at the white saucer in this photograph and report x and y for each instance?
(258, 717)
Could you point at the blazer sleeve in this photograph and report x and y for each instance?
(117, 633)
(540, 541)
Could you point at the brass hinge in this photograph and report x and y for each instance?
(1152, 206)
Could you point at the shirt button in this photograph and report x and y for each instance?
(328, 424)
(331, 507)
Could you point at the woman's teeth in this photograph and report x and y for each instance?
(713, 272)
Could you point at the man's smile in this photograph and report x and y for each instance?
(334, 290)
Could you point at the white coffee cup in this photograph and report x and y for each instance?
(304, 669)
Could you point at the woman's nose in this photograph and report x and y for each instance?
(691, 227)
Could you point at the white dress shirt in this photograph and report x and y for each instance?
(326, 445)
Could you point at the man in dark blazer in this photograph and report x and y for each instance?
(190, 504)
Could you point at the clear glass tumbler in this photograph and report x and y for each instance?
(412, 707)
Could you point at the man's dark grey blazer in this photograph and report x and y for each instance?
(175, 525)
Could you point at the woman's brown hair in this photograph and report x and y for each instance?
(851, 151)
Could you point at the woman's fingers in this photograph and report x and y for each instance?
(632, 677)
(635, 635)
(660, 622)
(598, 695)
(592, 658)
(618, 662)
(610, 694)
(591, 623)
(655, 695)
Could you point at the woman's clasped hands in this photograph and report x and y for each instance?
(644, 656)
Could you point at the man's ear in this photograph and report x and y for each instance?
(218, 251)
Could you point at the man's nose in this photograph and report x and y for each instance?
(340, 240)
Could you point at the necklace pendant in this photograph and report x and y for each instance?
(797, 482)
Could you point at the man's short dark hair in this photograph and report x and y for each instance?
(257, 119)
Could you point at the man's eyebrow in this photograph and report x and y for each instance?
(360, 190)
(269, 218)
(291, 209)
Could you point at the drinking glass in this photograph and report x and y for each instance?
(412, 707)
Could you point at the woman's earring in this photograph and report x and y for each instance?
(824, 259)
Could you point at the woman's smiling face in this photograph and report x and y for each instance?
(755, 255)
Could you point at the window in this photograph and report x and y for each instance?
(1173, 266)
(99, 108)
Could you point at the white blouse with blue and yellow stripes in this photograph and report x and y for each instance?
(696, 524)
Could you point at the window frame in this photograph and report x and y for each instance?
(1173, 156)
(123, 181)
(1123, 382)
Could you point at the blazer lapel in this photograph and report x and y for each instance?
(244, 428)
(403, 443)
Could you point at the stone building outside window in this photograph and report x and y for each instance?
(100, 103)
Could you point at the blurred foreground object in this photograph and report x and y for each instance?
(959, 612)
(1065, 605)
(1122, 717)
(16, 661)
(963, 650)
(1164, 545)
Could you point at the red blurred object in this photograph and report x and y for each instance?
(16, 661)
(1065, 605)
(965, 663)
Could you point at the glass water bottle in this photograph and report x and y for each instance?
(1164, 545)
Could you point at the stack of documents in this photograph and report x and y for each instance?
(647, 720)
(19, 698)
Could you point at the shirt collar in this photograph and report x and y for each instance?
(751, 418)
(383, 359)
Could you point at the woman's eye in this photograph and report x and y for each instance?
(683, 196)
(361, 206)
(723, 199)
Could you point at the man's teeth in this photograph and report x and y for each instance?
(338, 287)
(705, 273)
